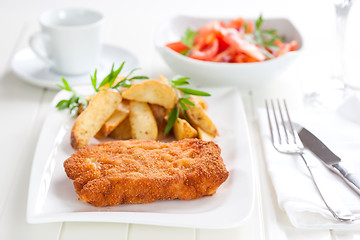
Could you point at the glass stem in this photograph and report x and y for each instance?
(342, 9)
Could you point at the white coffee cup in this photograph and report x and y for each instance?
(70, 40)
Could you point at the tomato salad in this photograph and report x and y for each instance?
(237, 41)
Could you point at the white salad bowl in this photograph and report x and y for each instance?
(205, 73)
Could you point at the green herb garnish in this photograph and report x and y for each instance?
(109, 80)
(183, 102)
(76, 101)
(189, 37)
(265, 38)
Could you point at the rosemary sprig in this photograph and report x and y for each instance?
(183, 101)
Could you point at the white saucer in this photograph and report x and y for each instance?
(27, 66)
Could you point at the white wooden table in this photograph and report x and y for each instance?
(131, 24)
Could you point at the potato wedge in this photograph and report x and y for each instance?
(201, 101)
(159, 113)
(182, 129)
(122, 131)
(89, 122)
(152, 91)
(204, 135)
(198, 118)
(115, 119)
(163, 79)
(142, 121)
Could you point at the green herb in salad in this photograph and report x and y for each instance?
(265, 38)
(189, 37)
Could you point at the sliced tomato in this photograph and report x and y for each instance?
(285, 47)
(223, 45)
(225, 56)
(293, 45)
(249, 27)
(207, 33)
(177, 46)
(205, 52)
(236, 23)
(236, 41)
(239, 58)
(279, 43)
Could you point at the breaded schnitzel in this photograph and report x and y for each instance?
(141, 171)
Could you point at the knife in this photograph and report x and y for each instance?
(327, 157)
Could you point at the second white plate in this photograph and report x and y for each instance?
(52, 197)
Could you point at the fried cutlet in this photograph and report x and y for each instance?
(142, 171)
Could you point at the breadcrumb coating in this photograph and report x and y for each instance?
(142, 171)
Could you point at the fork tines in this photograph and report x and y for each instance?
(281, 127)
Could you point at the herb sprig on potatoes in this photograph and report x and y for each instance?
(183, 102)
(150, 109)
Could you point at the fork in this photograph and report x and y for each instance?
(286, 140)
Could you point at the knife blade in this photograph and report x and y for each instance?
(327, 157)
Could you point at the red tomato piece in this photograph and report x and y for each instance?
(283, 48)
(249, 27)
(225, 56)
(236, 23)
(210, 29)
(293, 45)
(177, 46)
(206, 52)
(236, 41)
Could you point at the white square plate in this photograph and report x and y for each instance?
(52, 197)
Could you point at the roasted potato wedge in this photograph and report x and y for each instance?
(122, 131)
(152, 91)
(142, 121)
(198, 118)
(182, 129)
(159, 113)
(89, 122)
(204, 135)
(115, 119)
(201, 101)
(163, 79)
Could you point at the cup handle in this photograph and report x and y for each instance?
(34, 43)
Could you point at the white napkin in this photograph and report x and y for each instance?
(295, 190)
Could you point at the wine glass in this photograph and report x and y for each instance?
(337, 87)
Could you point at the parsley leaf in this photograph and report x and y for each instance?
(189, 37)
